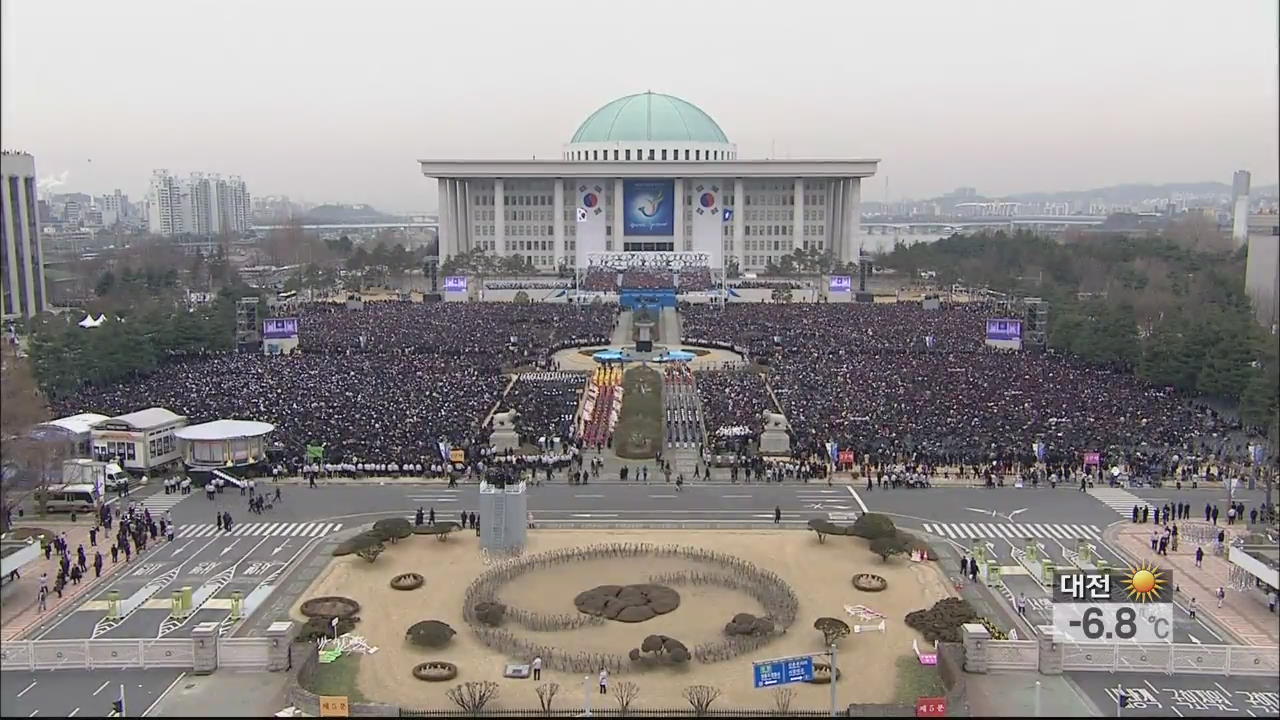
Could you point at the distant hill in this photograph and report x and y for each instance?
(1134, 192)
(346, 215)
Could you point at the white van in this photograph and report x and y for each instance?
(116, 477)
(79, 498)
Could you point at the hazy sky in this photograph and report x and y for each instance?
(335, 100)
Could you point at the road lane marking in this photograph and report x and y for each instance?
(736, 497)
(102, 687)
(594, 515)
(24, 690)
(588, 496)
(857, 498)
(73, 712)
(162, 695)
(662, 496)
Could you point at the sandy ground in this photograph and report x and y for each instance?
(818, 573)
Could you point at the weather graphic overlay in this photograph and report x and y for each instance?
(1096, 605)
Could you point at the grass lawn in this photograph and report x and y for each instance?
(917, 681)
(640, 424)
(338, 678)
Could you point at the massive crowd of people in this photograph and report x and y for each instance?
(897, 381)
(381, 384)
(691, 278)
(545, 403)
(732, 401)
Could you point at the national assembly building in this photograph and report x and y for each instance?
(649, 173)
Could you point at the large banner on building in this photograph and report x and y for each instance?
(621, 261)
(590, 220)
(648, 207)
(1003, 329)
(708, 221)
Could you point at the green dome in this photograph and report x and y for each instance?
(649, 117)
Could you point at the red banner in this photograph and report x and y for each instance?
(931, 707)
(846, 457)
(1092, 458)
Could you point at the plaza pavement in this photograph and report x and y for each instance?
(19, 613)
(1242, 614)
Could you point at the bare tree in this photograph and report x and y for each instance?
(22, 407)
(625, 693)
(700, 697)
(547, 695)
(472, 697)
(782, 698)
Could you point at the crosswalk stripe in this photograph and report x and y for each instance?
(1017, 533)
(268, 529)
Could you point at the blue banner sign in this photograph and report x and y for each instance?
(782, 671)
(1004, 329)
(841, 283)
(455, 283)
(648, 207)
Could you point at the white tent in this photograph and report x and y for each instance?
(101, 319)
(87, 322)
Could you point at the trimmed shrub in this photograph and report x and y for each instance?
(429, 633)
(873, 525)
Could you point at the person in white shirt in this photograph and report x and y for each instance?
(604, 681)
(536, 666)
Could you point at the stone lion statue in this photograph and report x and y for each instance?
(774, 421)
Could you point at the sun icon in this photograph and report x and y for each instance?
(1145, 582)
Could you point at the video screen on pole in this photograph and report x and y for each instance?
(279, 328)
(648, 207)
(455, 283)
(1000, 329)
(841, 283)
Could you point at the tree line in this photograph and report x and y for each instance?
(1170, 307)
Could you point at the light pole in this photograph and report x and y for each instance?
(1037, 698)
(834, 673)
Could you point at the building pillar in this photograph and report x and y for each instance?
(854, 214)
(14, 304)
(499, 218)
(797, 216)
(462, 218)
(444, 245)
(557, 227)
(975, 637)
(30, 258)
(619, 219)
(677, 214)
(834, 201)
(739, 222)
(204, 640)
(281, 634)
(31, 225)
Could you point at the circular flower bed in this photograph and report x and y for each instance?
(869, 582)
(330, 606)
(407, 581)
(435, 671)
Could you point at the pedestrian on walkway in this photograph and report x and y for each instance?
(1253, 516)
(1191, 608)
(1207, 511)
(604, 681)
(311, 481)
(1222, 595)
(1136, 509)
(1231, 515)
(536, 666)
(44, 581)
(1155, 540)
(43, 599)
(431, 516)
(418, 517)
(93, 537)
(1215, 514)
(277, 493)
(218, 517)
(1022, 605)
(777, 514)
(97, 565)
(76, 574)
(115, 553)
(1199, 556)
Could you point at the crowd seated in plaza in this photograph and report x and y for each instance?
(527, 284)
(379, 385)
(731, 404)
(694, 278)
(756, 284)
(862, 376)
(643, 278)
(598, 278)
(545, 403)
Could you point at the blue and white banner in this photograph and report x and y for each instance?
(648, 207)
(708, 221)
(589, 219)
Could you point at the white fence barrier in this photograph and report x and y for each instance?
(1013, 654)
(244, 653)
(1181, 658)
(90, 654)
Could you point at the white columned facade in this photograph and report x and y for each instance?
(855, 211)
(445, 240)
(499, 218)
(557, 217)
(462, 216)
(34, 245)
(11, 251)
(677, 227)
(619, 219)
(797, 216)
(739, 222)
(834, 218)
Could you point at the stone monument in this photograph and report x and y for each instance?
(775, 439)
(505, 436)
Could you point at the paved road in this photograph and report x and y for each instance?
(1160, 695)
(82, 693)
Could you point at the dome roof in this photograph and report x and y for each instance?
(646, 117)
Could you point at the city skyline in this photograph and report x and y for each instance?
(945, 95)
